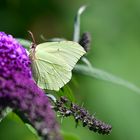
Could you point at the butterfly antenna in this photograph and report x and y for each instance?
(33, 39)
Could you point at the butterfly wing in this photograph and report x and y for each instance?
(50, 75)
(53, 63)
(69, 51)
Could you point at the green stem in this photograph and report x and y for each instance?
(103, 75)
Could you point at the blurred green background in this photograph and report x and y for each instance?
(115, 29)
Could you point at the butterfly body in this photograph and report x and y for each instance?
(52, 63)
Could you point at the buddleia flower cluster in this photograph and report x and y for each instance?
(19, 92)
(13, 57)
(66, 108)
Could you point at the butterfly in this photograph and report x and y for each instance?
(52, 63)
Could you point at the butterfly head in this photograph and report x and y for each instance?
(32, 47)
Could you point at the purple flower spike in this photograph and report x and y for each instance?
(23, 95)
(19, 92)
(13, 57)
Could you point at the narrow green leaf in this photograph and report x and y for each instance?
(32, 129)
(76, 34)
(69, 136)
(5, 113)
(103, 75)
(52, 97)
(66, 91)
(55, 39)
(25, 43)
(13, 128)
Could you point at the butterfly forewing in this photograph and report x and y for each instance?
(53, 63)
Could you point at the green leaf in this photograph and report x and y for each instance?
(74, 82)
(103, 75)
(76, 34)
(25, 43)
(13, 128)
(5, 113)
(55, 39)
(69, 136)
(67, 92)
(32, 129)
(52, 97)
